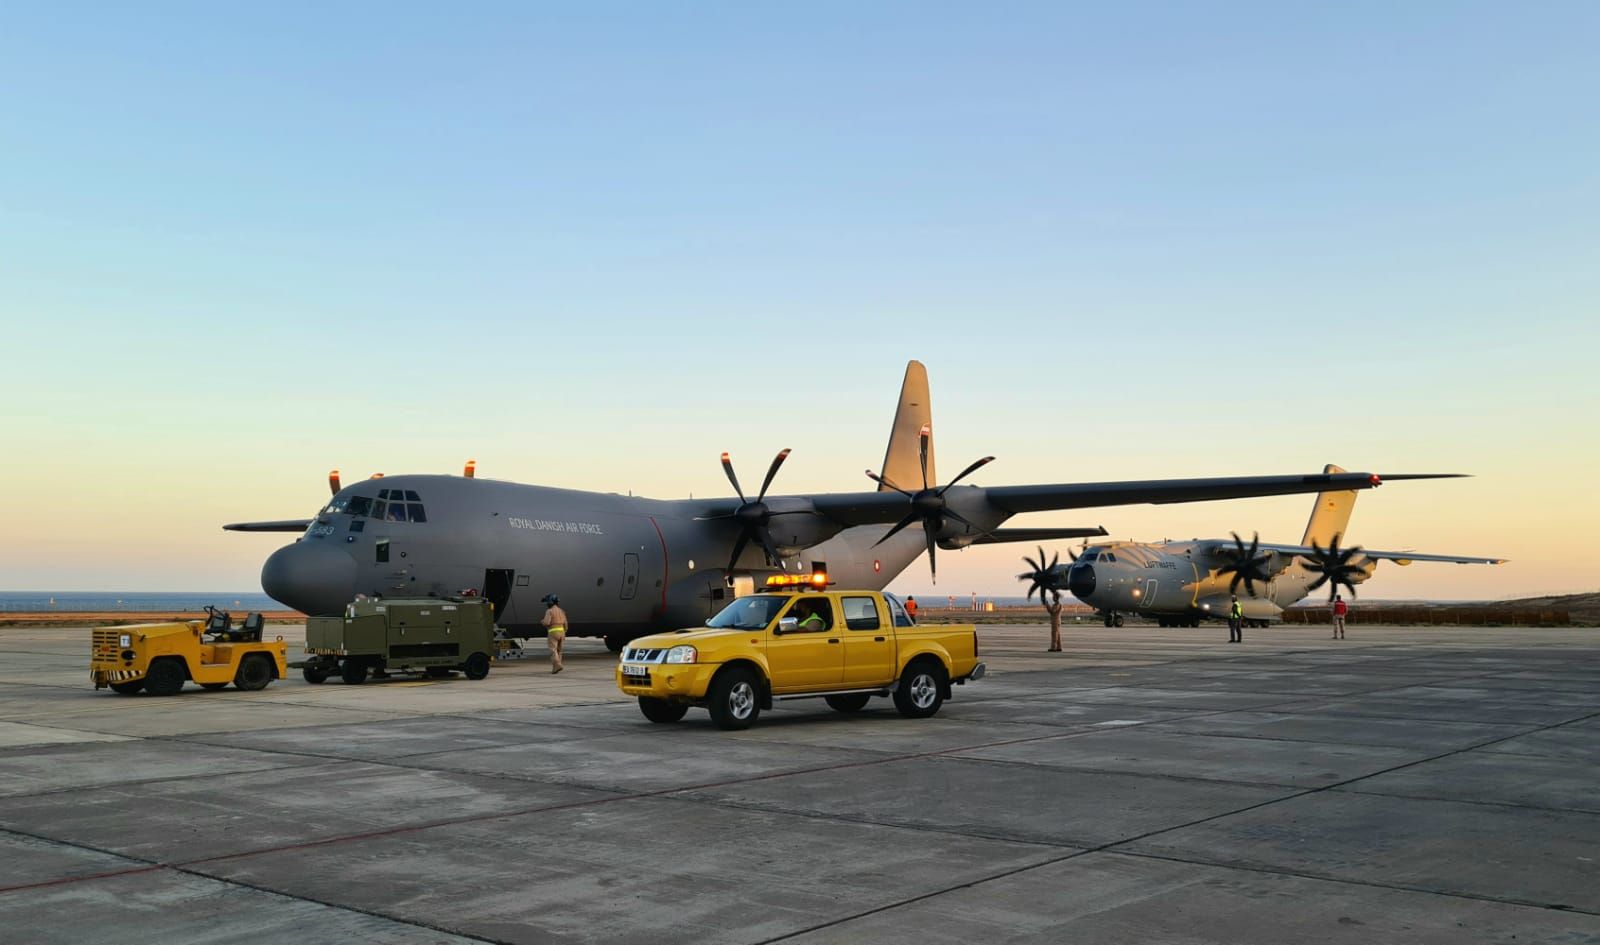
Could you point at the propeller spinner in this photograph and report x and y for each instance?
(928, 504)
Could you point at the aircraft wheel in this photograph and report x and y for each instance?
(660, 710)
(476, 666)
(735, 698)
(1116, 621)
(165, 677)
(127, 688)
(849, 703)
(353, 672)
(921, 689)
(1109, 618)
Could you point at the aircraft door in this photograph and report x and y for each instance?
(630, 576)
(497, 591)
(1147, 598)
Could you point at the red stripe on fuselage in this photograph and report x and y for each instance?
(666, 566)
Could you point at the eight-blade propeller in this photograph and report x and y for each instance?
(928, 505)
(1334, 567)
(1246, 566)
(754, 517)
(1041, 575)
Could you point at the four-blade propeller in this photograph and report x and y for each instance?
(1040, 575)
(1246, 566)
(928, 505)
(754, 517)
(1334, 567)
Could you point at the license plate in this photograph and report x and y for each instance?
(639, 672)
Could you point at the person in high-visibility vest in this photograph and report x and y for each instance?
(1236, 621)
(911, 608)
(1340, 608)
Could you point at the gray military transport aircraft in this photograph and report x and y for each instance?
(1181, 583)
(624, 566)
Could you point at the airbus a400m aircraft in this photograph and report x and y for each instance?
(624, 566)
(1181, 583)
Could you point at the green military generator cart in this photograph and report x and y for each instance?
(430, 635)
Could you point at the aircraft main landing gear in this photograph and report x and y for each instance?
(1113, 620)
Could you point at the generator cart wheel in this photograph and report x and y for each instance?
(129, 688)
(353, 672)
(660, 710)
(735, 698)
(476, 666)
(921, 689)
(255, 672)
(165, 677)
(847, 704)
(213, 686)
(314, 674)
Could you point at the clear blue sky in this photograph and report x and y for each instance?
(1136, 240)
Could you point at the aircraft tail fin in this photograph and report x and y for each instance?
(1330, 517)
(902, 463)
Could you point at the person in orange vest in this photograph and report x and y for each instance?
(911, 608)
(1340, 608)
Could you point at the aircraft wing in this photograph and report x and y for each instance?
(1399, 557)
(877, 508)
(1038, 534)
(282, 525)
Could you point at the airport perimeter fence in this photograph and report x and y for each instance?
(1435, 616)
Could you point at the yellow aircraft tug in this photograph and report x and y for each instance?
(159, 658)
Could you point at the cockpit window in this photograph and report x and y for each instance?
(392, 505)
(1108, 556)
(397, 511)
(411, 496)
(416, 512)
(1090, 556)
(359, 505)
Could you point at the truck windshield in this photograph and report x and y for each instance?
(748, 613)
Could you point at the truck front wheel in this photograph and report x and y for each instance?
(165, 677)
(353, 672)
(255, 672)
(921, 689)
(660, 710)
(734, 699)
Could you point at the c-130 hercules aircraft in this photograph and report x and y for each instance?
(624, 566)
(1180, 583)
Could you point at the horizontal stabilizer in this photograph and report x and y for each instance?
(1037, 534)
(283, 525)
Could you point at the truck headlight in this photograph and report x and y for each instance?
(681, 654)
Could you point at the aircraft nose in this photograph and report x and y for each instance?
(1080, 580)
(313, 578)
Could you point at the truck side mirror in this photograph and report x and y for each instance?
(788, 624)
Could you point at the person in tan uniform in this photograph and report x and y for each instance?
(555, 624)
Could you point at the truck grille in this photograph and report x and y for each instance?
(103, 645)
(644, 654)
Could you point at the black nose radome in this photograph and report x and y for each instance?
(313, 578)
(1080, 580)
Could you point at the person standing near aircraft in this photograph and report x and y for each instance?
(1340, 608)
(555, 623)
(1053, 608)
(911, 608)
(1235, 621)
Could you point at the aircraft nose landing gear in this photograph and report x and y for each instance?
(1113, 620)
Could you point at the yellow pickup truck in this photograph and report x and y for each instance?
(799, 642)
